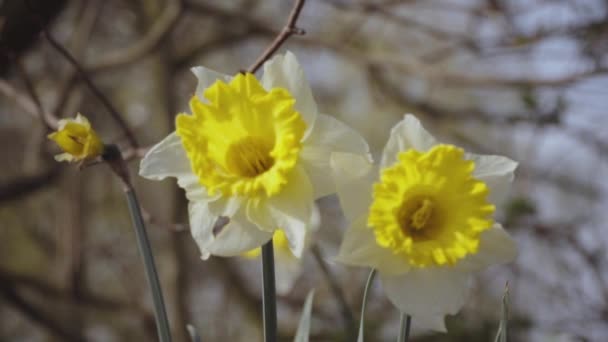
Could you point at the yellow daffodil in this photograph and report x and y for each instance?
(424, 219)
(77, 139)
(252, 157)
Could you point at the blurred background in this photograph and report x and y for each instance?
(522, 78)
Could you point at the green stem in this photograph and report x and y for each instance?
(404, 327)
(162, 323)
(269, 296)
(368, 285)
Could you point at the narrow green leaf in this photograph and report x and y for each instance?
(304, 326)
(501, 334)
(368, 286)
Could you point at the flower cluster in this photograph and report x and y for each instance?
(253, 155)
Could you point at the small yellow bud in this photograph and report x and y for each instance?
(77, 139)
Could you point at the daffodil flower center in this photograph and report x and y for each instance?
(415, 215)
(245, 140)
(249, 157)
(429, 208)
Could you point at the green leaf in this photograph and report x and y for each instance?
(304, 326)
(501, 334)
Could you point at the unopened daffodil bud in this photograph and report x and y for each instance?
(77, 139)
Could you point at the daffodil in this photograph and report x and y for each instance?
(77, 139)
(252, 157)
(423, 219)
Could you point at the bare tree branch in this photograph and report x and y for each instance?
(288, 30)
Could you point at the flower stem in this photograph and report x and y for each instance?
(368, 285)
(269, 297)
(404, 327)
(162, 323)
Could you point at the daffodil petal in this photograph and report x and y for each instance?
(284, 71)
(165, 159)
(168, 159)
(496, 247)
(407, 134)
(287, 270)
(359, 248)
(353, 175)
(431, 322)
(201, 225)
(290, 210)
(328, 135)
(427, 291)
(225, 206)
(205, 215)
(497, 172)
(206, 77)
(237, 237)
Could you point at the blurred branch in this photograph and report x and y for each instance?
(47, 320)
(96, 91)
(380, 9)
(288, 30)
(159, 31)
(188, 58)
(49, 121)
(90, 300)
(28, 104)
(27, 184)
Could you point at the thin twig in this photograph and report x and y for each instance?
(347, 314)
(287, 31)
(148, 43)
(47, 118)
(49, 321)
(94, 89)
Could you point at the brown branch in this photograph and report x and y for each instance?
(151, 40)
(28, 103)
(26, 185)
(35, 314)
(287, 31)
(94, 89)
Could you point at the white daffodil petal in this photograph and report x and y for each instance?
(427, 291)
(497, 172)
(237, 237)
(407, 134)
(168, 159)
(287, 270)
(353, 176)
(328, 135)
(165, 159)
(359, 248)
(431, 322)
(225, 206)
(208, 217)
(201, 225)
(496, 247)
(283, 71)
(206, 77)
(291, 211)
